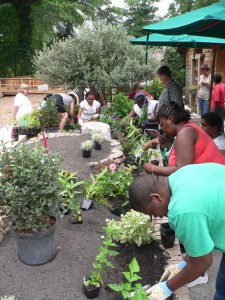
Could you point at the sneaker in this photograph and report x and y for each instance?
(199, 280)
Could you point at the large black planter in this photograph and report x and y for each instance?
(91, 292)
(98, 146)
(36, 248)
(86, 153)
(167, 235)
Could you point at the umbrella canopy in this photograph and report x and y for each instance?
(183, 40)
(206, 21)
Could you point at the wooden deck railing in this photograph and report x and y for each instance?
(10, 86)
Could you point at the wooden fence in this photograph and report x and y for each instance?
(10, 86)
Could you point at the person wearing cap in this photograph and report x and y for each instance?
(63, 100)
(22, 104)
(141, 99)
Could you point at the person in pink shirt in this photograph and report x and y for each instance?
(191, 146)
(137, 89)
(218, 97)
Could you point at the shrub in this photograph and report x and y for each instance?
(134, 227)
(155, 89)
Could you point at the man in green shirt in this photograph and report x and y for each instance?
(193, 198)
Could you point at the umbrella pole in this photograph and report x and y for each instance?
(215, 48)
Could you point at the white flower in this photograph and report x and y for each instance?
(102, 237)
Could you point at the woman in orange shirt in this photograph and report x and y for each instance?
(192, 145)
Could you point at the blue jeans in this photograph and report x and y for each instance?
(220, 281)
(203, 105)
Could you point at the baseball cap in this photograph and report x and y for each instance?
(139, 96)
(24, 86)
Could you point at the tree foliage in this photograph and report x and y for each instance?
(138, 14)
(176, 63)
(32, 22)
(100, 56)
(178, 7)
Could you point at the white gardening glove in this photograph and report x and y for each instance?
(173, 270)
(80, 122)
(159, 291)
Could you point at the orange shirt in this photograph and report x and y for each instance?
(205, 149)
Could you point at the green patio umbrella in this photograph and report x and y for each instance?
(183, 41)
(206, 21)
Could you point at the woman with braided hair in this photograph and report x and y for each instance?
(191, 146)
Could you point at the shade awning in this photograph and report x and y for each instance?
(206, 21)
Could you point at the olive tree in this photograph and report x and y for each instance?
(99, 55)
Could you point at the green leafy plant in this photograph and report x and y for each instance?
(101, 260)
(87, 145)
(107, 184)
(134, 227)
(51, 117)
(131, 289)
(69, 191)
(97, 137)
(29, 186)
(121, 105)
(155, 88)
(30, 120)
(144, 114)
(8, 298)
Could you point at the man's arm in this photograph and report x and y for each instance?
(196, 266)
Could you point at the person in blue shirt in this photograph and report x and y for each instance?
(193, 199)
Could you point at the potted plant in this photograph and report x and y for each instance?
(93, 283)
(69, 190)
(29, 197)
(86, 147)
(98, 138)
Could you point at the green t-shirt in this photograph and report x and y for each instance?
(197, 207)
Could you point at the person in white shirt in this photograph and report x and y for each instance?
(211, 123)
(141, 99)
(22, 104)
(89, 109)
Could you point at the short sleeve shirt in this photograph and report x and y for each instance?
(220, 142)
(23, 103)
(204, 91)
(196, 207)
(172, 92)
(151, 107)
(88, 110)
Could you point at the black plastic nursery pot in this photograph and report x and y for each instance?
(155, 162)
(76, 219)
(87, 204)
(117, 211)
(36, 248)
(98, 146)
(86, 153)
(91, 292)
(167, 235)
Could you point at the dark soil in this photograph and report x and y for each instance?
(77, 246)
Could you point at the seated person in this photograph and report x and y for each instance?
(89, 109)
(211, 123)
(141, 99)
(137, 89)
